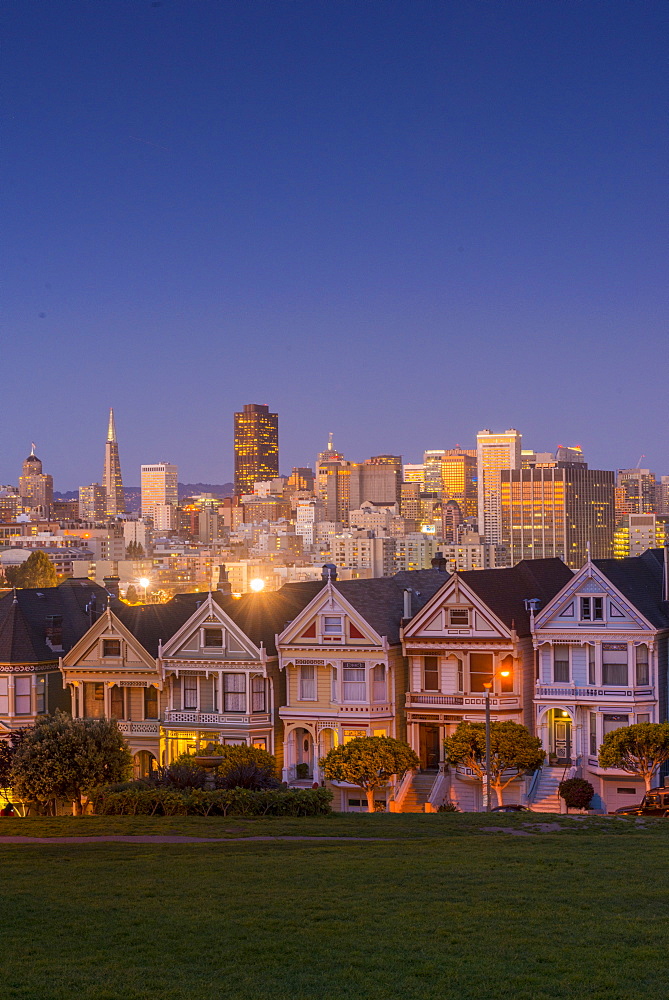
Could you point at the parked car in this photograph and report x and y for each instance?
(654, 803)
(510, 809)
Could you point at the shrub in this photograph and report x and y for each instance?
(448, 807)
(576, 792)
(215, 802)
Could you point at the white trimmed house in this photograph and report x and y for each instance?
(602, 664)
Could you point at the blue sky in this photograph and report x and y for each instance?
(400, 222)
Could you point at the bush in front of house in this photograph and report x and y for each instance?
(133, 801)
(576, 792)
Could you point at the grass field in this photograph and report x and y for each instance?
(438, 908)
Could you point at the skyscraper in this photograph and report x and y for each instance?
(35, 486)
(160, 486)
(494, 453)
(256, 446)
(112, 483)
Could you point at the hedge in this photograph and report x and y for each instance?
(202, 802)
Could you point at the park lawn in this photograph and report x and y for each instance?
(448, 916)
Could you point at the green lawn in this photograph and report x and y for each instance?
(437, 909)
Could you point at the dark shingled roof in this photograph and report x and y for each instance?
(153, 623)
(24, 613)
(505, 591)
(640, 580)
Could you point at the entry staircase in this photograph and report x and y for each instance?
(418, 791)
(546, 798)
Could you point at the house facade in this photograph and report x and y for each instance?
(476, 631)
(601, 664)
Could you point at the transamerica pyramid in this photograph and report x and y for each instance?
(111, 477)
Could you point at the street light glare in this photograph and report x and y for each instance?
(144, 582)
(257, 584)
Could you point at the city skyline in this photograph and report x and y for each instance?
(417, 220)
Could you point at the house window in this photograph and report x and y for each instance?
(94, 700)
(260, 743)
(257, 694)
(561, 665)
(40, 695)
(430, 673)
(234, 692)
(151, 702)
(591, 666)
(22, 700)
(116, 702)
(643, 718)
(379, 683)
(458, 616)
(307, 683)
(332, 625)
(612, 722)
(111, 647)
(4, 695)
(642, 671)
(592, 609)
(461, 674)
(213, 638)
(190, 693)
(353, 734)
(614, 664)
(333, 692)
(355, 688)
(480, 670)
(593, 733)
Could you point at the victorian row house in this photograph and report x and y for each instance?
(316, 664)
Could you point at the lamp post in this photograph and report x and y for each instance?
(144, 582)
(488, 686)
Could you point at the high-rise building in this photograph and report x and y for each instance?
(322, 462)
(495, 452)
(559, 511)
(432, 460)
(635, 492)
(635, 533)
(378, 479)
(414, 473)
(159, 487)
(256, 447)
(92, 502)
(662, 495)
(112, 482)
(35, 486)
(458, 480)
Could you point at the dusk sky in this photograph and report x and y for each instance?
(398, 221)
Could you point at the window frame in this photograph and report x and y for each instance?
(459, 611)
(227, 676)
(304, 691)
(106, 642)
(565, 650)
(19, 679)
(595, 611)
(193, 685)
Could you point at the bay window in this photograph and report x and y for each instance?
(307, 683)
(614, 664)
(379, 683)
(355, 688)
(430, 673)
(234, 692)
(257, 694)
(561, 665)
(642, 671)
(190, 693)
(116, 702)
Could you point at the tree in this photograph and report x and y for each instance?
(131, 595)
(576, 792)
(36, 571)
(65, 758)
(638, 749)
(134, 550)
(369, 762)
(8, 748)
(512, 749)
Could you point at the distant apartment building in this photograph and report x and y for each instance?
(636, 533)
(256, 446)
(35, 486)
(92, 502)
(159, 483)
(561, 511)
(635, 492)
(414, 551)
(361, 550)
(495, 453)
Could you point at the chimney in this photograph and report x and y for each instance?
(329, 572)
(111, 585)
(438, 562)
(407, 604)
(224, 585)
(53, 632)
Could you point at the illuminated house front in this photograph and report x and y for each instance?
(345, 672)
(474, 632)
(602, 664)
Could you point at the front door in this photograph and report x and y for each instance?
(563, 741)
(429, 747)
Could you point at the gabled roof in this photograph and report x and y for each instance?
(24, 613)
(152, 623)
(640, 580)
(505, 591)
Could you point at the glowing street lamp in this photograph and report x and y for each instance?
(257, 584)
(488, 685)
(144, 582)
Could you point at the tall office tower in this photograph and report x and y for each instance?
(111, 476)
(662, 495)
(494, 453)
(414, 474)
(300, 480)
(557, 511)
(337, 490)
(92, 502)
(635, 492)
(432, 470)
(322, 461)
(159, 488)
(458, 480)
(378, 479)
(256, 447)
(35, 486)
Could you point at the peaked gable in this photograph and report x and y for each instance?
(86, 652)
(590, 583)
(210, 633)
(329, 619)
(456, 610)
